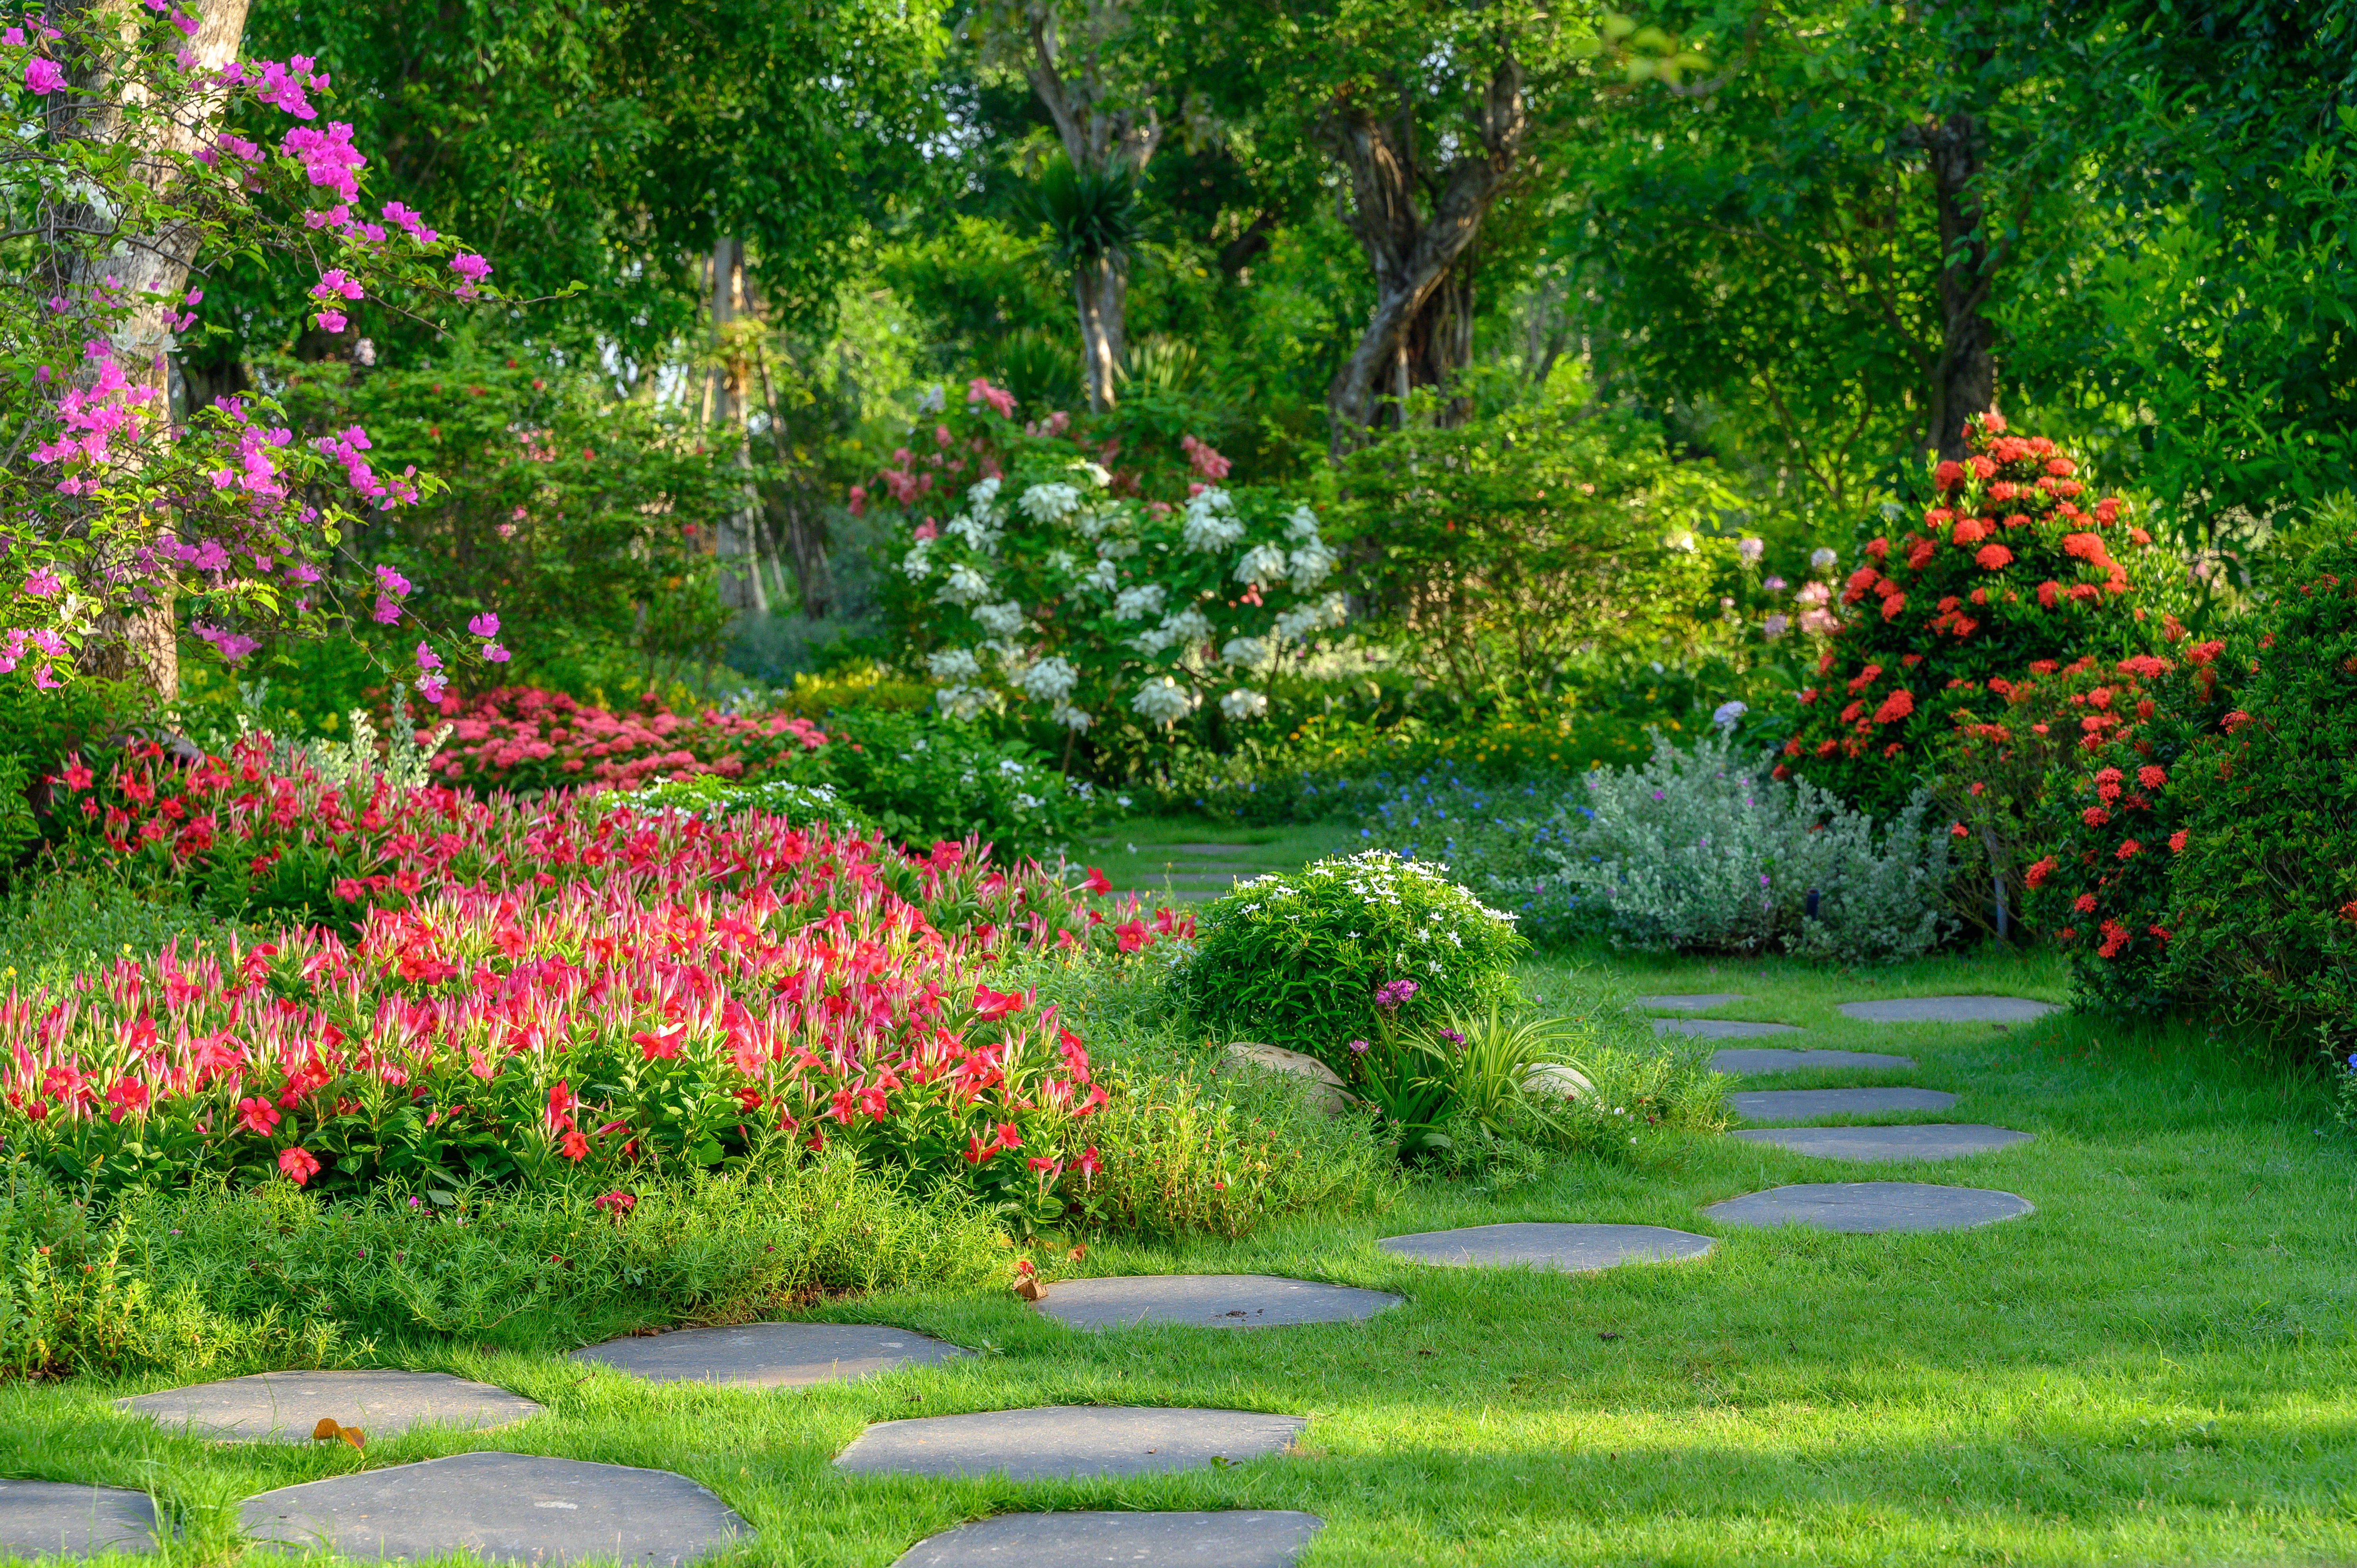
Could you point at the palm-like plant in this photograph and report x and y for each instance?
(1095, 222)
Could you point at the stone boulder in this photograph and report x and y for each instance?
(1326, 1092)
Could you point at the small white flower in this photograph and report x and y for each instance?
(981, 497)
(1094, 474)
(1749, 551)
(1049, 681)
(1105, 577)
(1726, 714)
(1002, 619)
(1681, 540)
(977, 531)
(1243, 703)
(1261, 566)
(1050, 503)
(919, 562)
(1248, 652)
(1132, 603)
(1009, 768)
(1028, 802)
(1312, 564)
(1162, 701)
(962, 702)
(1302, 524)
(953, 664)
(1073, 718)
(1062, 561)
(1187, 626)
(965, 587)
(1822, 560)
(1212, 522)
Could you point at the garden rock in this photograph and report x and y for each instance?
(284, 1407)
(508, 1508)
(770, 1355)
(1059, 1442)
(65, 1519)
(1694, 1002)
(1230, 1539)
(1327, 1093)
(1208, 1301)
(1558, 1248)
(1563, 1082)
(1925, 1141)
(1792, 1104)
(1720, 1028)
(1866, 1208)
(1761, 1059)
(1948, 1010)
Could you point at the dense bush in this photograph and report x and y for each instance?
(210, 1279)
(919, 778)
(1508, 842)
(2007, 569)
(1302, 959)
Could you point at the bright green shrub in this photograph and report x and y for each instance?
(923, 779)
(2006, 569)
(1507, 842)
(1299, 959)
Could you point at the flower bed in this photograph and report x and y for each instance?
(519, 737)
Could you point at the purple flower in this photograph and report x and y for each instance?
(1359, 1048)
(387, 612)
(40, 582)
(392, 582)
(43, 77)
(1453, 1036)
(1392, 997)
(332, 321)
(493, 653)
(427, 659)
(484, 624)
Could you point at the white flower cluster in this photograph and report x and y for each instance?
(1210, 521)
(1050, 503)
(1304, 618)
(1162, 701)
(1179, 628)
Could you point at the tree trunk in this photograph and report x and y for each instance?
(1964, 383)
(1421, 332)
(141, 644)
(799, 520)
(1100, 131)
(732, 544)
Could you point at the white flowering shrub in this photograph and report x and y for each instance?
(1698, 851)
(1037, 582)
(1304, 960)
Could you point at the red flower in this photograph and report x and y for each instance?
(1009, 1135)
(561, 1102)
(299, 1165)
(2236, 719)
(1097, 883)
(2084, 903)
(2129, 849)
(661, 1043)
(2094, 816)
(573, 1145)
(1948, 476)
(1958, 830)
(2115, 937)
(257, 1115)
(77, 776)
(1130, 936)
(1896, 707)
(617, 1204)
(991, 1004)
(1993, 557)
(2046, 593)
(1892, 605)
(2177, 842)
(2151, 776)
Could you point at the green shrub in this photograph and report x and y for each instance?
(2006, 569)
(924, 779)
(219, 1278)
(1506, 842)
(1298, 960)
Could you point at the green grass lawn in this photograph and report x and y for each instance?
(2158, 1366)
(1165, 855)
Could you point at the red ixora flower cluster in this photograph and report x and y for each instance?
(2002, 572)
(521, 737)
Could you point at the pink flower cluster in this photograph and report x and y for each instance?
(521, 737)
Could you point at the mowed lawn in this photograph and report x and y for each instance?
(2159, 1365)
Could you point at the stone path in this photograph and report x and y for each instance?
(1237, 1539)
(1947, 1010)
(283, 1407)
(1866, 1208)
(1762, 1060)
(41, 1517)
(1721, 1028)
(770, 1355)
(1919, 1141)
(512, 1508)
(1206, 1301)
(1559, 1249)
(1061, 1441)
(1787, 1104)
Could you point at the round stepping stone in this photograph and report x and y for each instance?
(513, 1507)
(1557, 1248)
(1865, 1207)
(1720, 1028)
(769, 1354)
(1206, 1301)
(1931, 1141)
(1237, 1539)
(1948, 1010)
(1791, 1104)
(284, 1407)
(1758, 1059)
(1061, 1441)
(1693, 1002)
(65, 1519)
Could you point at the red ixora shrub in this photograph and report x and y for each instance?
(521, 737)
(2006, 570)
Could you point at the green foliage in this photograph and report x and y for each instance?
(1515, 547)
(2005, 571)
(1298, 961)
(923, 778)
(584, 524)
(214, 1279)
(1184, 1154)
